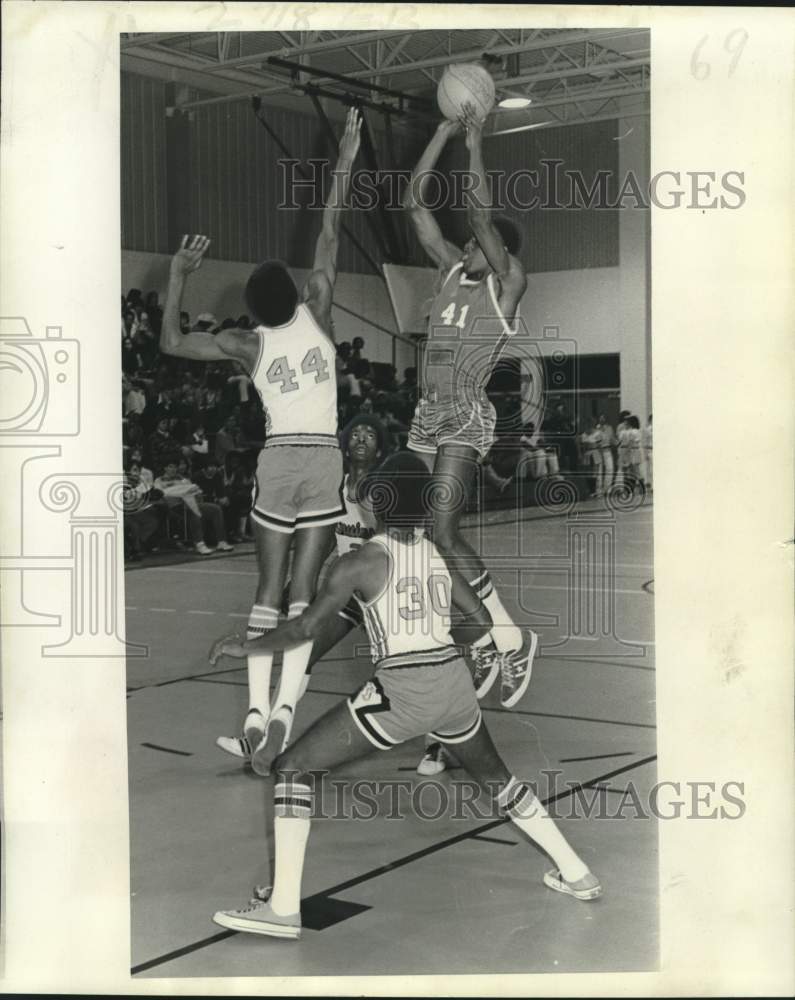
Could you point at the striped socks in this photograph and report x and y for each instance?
(524, 809)
(292, 805)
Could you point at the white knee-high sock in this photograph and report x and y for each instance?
(292, 804)
(294, 664)
(261, 620)
(504, 632)
(525, 810)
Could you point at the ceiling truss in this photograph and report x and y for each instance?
(569, 75)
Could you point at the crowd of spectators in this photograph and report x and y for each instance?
(192, 432)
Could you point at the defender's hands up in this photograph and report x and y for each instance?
(351, 137)
(190, 255)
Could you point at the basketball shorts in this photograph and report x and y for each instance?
(298, 483)
(399, 703)
(453, 422)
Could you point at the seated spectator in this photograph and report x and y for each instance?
(648, 455)
(144, 511)
(199, 445)
(212, 483)
(146, 475)
(134, 398)
(177, 490)
(131, 360)
(162, 447)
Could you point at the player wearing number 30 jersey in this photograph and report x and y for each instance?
(290, 357)
(420, 684)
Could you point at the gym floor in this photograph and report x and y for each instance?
(410, 895)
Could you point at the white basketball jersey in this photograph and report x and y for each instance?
(295, 377)
(408, 624)
(357, 526)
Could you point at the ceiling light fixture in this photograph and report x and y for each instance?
(512, 103)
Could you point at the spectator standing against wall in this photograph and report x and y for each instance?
(608, 443)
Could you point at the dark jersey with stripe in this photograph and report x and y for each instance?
(466, 336)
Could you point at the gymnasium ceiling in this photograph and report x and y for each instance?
(571, 76)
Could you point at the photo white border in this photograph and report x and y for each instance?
(722, 320)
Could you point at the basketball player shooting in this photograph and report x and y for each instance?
(454, 422)
(290, 357)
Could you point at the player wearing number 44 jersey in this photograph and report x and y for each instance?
(290, 357)
(421, 684)
(471, 321)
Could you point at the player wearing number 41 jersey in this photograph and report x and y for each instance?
(471, 321)
(297, 498)
(420, 684)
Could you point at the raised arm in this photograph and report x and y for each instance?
(319, 288)
(198, 346)
(506, 267)
(443, 253)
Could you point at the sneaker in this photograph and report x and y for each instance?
(225, 547)
(237, 746)
(486, 665)
(433, 761)
(259, 918)
(254, 728)
(203, 550)
(273, 742)
(516, 668)
(585, 888)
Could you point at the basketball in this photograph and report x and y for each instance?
(462, 83)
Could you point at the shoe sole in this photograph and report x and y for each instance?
(266, 753)
(552, 882)
(254, 734)
(486, 686)
(520, 691)
(256, 926)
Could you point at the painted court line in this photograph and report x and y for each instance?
(392, 866)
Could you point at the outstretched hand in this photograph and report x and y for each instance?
(472, 125)
(228, 645)
(190, 255)
(351, 137)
